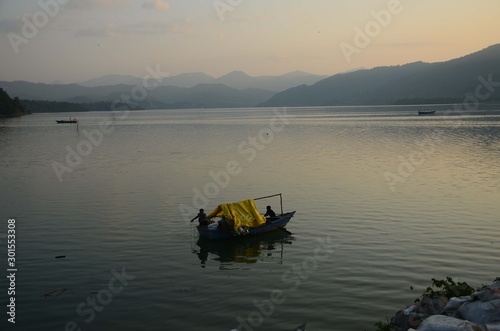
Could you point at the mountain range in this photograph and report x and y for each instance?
(412, 83)
(199, 96)
(191, 90)
(236, 79)
(419, 82)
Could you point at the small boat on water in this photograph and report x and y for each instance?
(426, 112)
(243, 219)
(71, 120)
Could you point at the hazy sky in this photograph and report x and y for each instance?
(75, 40)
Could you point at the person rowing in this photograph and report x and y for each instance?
(202, 218)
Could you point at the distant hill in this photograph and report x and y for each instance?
(206, 96)
(188, 79)
(236, 79)
(414, 83)
(62, 92)
(10, 107)
(410, 83)
(37, 106)
(92, 98)
(240, 80)
(112, 80)
(190, 90)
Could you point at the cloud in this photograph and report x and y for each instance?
(159, 5)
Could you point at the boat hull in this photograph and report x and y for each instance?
(276, 224)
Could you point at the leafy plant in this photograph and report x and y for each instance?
(448, 288)
(382, 326)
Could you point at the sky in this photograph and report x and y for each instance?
(76, 40)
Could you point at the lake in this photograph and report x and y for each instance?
(385, 200)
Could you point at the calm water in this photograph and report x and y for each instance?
(400, 198)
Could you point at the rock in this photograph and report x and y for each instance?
(481, 312)
(432, 306)
(478, 312)
(414, 320)
(400, 322)
(446, 323)
(438, 304)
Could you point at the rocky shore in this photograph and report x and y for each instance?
(450, 307)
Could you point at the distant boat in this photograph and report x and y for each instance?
(423, 112)
(66, 121)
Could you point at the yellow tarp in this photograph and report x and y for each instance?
(243, 213)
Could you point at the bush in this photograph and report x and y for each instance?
(448, 288)
(383, 326)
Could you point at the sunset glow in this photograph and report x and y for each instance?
(75, 40)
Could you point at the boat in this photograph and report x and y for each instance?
(66, 121)
(243, 219)
(425, 112)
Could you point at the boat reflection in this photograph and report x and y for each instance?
(267, 247)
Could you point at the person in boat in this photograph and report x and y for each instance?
(225, 225)
(202, 218)
(269, 212)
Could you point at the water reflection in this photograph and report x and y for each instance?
(268, 247)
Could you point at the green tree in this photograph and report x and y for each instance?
(10, 107)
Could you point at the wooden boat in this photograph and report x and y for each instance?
(218, 231)
(66, 121)
(275, 224)
(423, 112)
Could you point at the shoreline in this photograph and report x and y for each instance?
(454, 305)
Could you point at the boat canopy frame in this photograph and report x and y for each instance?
(272, 196)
